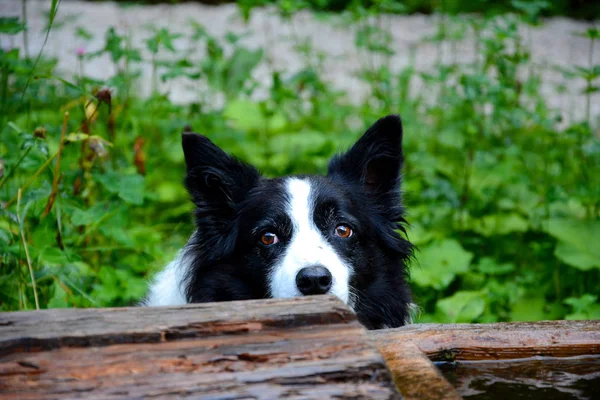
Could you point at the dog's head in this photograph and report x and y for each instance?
(302, 235)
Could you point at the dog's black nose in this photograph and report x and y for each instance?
(313, 280)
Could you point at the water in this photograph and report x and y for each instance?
(535, 378)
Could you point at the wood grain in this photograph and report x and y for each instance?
(311, 347)
(510, 340)
(50, 329)
(414, 374)
(535, 378)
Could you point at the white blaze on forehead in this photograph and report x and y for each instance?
(307, 247)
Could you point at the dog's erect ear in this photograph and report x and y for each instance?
(214, 179)
(375, 161)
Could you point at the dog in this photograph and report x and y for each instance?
(341, 234)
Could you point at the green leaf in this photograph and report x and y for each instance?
(4, 235)
(452, 138)
(418, 235)
(11, 25)
(117, 232)
(500, 224)
(577, 242)
(59, 298)
(576, 257)
(119, 286)
(591, 89)
(83, 33)
(15, 127)
(53, 256)
(72, 86)
(136, 286)
(93, 214)
(584, 307)
(590, 33)
(130, 188)
(76, 137)
(439, 263)
(53, 10)
(110, 181)
(303, 142)
(489, 266)
(529, 309)
(168, 192)
(152, 44)
(247, 116)
(108, 289)
(529, 7)
(238, 69)
(462, 306)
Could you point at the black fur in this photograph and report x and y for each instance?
(234, 205)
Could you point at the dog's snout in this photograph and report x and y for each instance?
(313, 280)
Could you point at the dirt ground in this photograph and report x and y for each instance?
(553, 43)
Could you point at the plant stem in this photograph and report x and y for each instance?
(153, 75)
(53, 11)
(21, 304)
(20, 221)
(557, 279)
(81, 80)
(25, 32)
(33, 177)
(4, 75)
(589, 82)
(56, 179)
(16, 166)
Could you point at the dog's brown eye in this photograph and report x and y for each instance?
(343, 231)
(269, 238)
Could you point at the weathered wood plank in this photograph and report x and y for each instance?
(297, 348)
(406, 349)
(49, 329)
(538, 377)
(414, 374)
(447, 342)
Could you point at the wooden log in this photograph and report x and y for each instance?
(49, 329)
(449, 342)
(537, 378)
(414, 374)
(296, 348)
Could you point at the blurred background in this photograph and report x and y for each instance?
(500, 102)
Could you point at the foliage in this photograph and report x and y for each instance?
(503, 200)
(572, 8)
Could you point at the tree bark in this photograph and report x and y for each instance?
(295, 348)
(498, 341)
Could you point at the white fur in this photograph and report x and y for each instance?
(414, 311)
(308, 247)
(166, 288)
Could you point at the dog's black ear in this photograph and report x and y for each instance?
(215, 180)
(375, 161)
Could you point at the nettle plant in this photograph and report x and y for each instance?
(501, 227)
(503, 198)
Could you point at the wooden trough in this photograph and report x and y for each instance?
(309, 347)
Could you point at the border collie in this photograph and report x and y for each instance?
(298, 235)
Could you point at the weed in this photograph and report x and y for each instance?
(503, 198)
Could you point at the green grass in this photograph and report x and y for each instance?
(503, 204)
